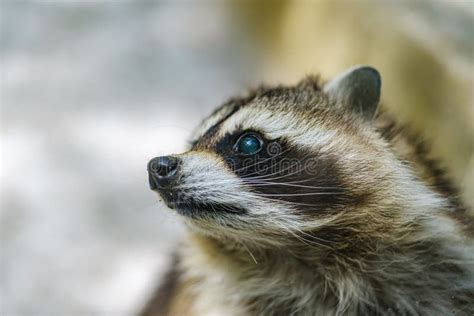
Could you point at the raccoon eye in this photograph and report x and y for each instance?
(249, 144)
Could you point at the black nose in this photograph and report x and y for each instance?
(162, 171)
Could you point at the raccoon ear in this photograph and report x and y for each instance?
(358, 89)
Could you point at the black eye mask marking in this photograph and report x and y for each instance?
(308, 181)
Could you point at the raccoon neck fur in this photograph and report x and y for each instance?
(360, 276)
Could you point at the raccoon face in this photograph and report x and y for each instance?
(279, 160)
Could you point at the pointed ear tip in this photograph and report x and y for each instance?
(370, 72)
(366, 73)
(367, 67)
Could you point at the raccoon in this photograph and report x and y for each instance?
(308, 200)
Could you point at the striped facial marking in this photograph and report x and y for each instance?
(293, 167)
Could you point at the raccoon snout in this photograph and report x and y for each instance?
(162, 172)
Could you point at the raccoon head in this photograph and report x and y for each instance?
(282, 160)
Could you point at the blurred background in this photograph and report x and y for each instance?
(91, 90)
